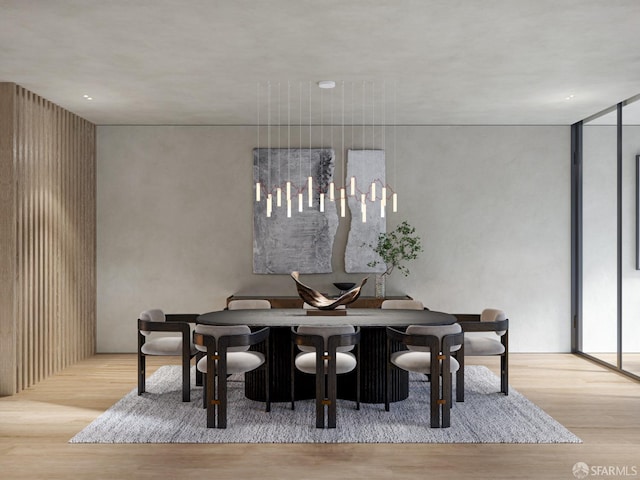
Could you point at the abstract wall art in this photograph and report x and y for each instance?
(302, 242)
(367, 167)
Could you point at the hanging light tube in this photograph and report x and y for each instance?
(373, 191)
(300, 202)
(353, 186)
(394, 202)
(363, 207)
(278, 197)
(269, 205)
(257, 191)
(322, 201)
(342, 202)
(332, 193)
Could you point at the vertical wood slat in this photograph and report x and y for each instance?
(8, 232)
(48, 262)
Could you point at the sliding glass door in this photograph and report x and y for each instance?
(599, 238)
(606, 274)
(630, 327)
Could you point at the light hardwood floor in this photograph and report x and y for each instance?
(601, 407)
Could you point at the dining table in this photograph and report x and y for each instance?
(373, 340)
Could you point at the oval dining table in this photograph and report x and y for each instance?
(372, 323)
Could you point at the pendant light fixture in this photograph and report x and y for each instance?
(290, 188)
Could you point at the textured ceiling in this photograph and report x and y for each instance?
(435, 62)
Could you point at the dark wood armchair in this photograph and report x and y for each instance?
(429, 351)
(181, 345)
(325, 351)
(490, 320)
(227, 352)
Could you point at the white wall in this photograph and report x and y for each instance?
(492, 205)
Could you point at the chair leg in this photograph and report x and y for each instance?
(293, 378)
(199, 374)
(358, 386)
(267, 388)
(446, 400)
(142, 365)
(460, 379)
(320, 398)
(204, 391)
(222, 401)
(387, 380)
(332, 386)
(211, 401)
(186, 379)
(504, 374)
(210, 383)
(435, 401)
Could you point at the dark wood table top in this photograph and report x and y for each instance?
(364, 317)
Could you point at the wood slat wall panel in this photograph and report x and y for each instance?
(8, 221)
(48, 277)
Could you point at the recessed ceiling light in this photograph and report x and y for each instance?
(327, 84)
(570, 97)
(87, 97)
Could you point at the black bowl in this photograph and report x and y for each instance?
(344, 286)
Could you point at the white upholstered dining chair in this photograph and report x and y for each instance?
(249, 304)
(487, 334)
(429, 350)
(402, 305)
(227, 352)
(325, 351)
(152, 340)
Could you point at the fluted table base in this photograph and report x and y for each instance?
(372, 363)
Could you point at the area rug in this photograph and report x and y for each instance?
(486, 416)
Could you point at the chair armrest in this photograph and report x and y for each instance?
(497, 326)
(182, 317)
(308, 340)
(395, 334)
(246, 340)
(430, 341)
(467, 317)
(204, 340)
(177, 326)
(452, 340)
(343, 340)
(259, 336)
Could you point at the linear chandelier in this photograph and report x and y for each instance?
(285, 189)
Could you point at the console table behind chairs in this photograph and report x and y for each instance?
(296, 302)
(372, 323)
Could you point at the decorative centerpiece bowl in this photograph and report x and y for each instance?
(344, 286)
(322, 303)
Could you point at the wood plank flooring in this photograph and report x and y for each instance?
(600, 406)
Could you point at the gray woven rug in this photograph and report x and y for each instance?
(486, 416)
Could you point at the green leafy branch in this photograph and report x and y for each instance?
(396, 247)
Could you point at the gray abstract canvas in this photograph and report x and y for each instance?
(304, 241)
(367, 166)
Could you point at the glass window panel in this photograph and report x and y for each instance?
(630, 276)
(599, 260)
